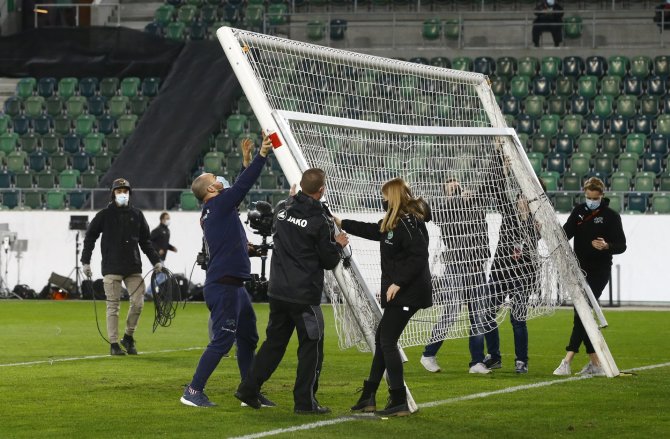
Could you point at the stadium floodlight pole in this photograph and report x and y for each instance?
(288, 163)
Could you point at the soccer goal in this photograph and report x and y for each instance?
(496, 246)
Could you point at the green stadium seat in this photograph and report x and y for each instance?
(519, 86)
(550, 67)
(93, 143)
(662, 65)
(187, 14)
(126, 124)
(663, 124)
(24, 178)
(628, 162)
(235, 124)
(90, 178)
(580, 163)
(46, 87)
(55, 200)
(130, 86)
(16, 161)
(462, 63)
(268, 181)
(68, 178)
(640, 67)
(549, 125)
(187, 201)
(277, 14)
(53, 106)
(534, 106)
(243, 106)
(45, 179)
(572, 181)
(84, 124)
(441, 61)
(50, 142)
(223, 142)
(253, 16)
(604, 163)
(588, 143)
(163, 14)
(5, 122)
(565, 86)
(618, 66)
(541, 143)
(67, 87)
(59, 161)
(213, 162)
(102, 161)
(620, 181)
(550, 180)
(572, 125)
(452, 28)
(62, 125)
(33, 106)
(175, 31)
(30, 142)
(664, 181)
(649, 105)
(636, 143)
(610, 85)
(25, 87)
(109, 86)
(644, 182)
(626, 106)
(616, 201)
(610, 144)
(572, 27)
(660, 203)
(527, 66)
(556, 105)
(587, 86)
(564, 202)
(602, 106)
(432, 28)
(138, 105)
(33, 199)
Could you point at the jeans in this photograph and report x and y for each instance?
(233, 321)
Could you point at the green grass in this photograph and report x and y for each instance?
(137, 397)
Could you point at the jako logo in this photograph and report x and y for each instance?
(281, 215)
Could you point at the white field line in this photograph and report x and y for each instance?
(349, 418)
(91, 357)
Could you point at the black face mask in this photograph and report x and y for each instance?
(385, 204)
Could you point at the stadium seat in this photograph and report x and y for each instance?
(68, 178)
(138, 105)
(518, 86)
(462, 63)
(213, 162)
(572, 125)
(106, 124)
(564, 144)
(80, 161)
(636, 143)
(84, 124)
(46, 87)
(498, 85)
(541, 143)
(580, 163)
(45, 179)
(126, 124)
(5, 123)
(572, 27)
(93, 143)
(541, 86)
(175, 31)
(88, 87)
(484, 65)
(616, 201)
(573, 66)
(642, 124)
(150, 86)
(644, 182)
(572, 181)
(550, 67)
(660, 203)
(235, 124)
(620, 181)
(595, 124)
(109, 86)
(24, 179)
(26, 87)
(59, 161)
(662, 66)
(663, 124)
(53, 106)
(442, 61)
(452, 28)
(30, 142)
(67, 87)
(33, 106)
(579, 105)
(510, 105)
(6, 178)
(197, 31)
(90, 178)
(658, 143)
(8, 142)
(652, 163)
(632, 86)
(637, 202)
(32, 199)
(610, 86)
(96, 106)
(71, 143)
(640, 66)
(12, 106)
(556, 105)
(619, 125)
(102, 161)
(50, 142)
(550, 180)
(587, 86)
(626, 106)
(595, 66)
(77, 199)
(534, 106)
(649, 105)
(555, 163)
(604, 163)
(130, 86)
(21, 124)
(564, 202)
(75, 106)
(117, 105)
(525, 124)
(163, 14)
(187, 201)
(42, 124)
(55, 199)
(506, 67)
(549, 125)
(10, 199)
(618, 65)
(656, 86)
(628, 162)
(602, 106)
(187, 14)
(527, 66)
(208, 14)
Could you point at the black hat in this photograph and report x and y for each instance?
(121, 183)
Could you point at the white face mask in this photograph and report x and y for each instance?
(593, 204)
(550, 2)
(122, 199)
(167, 223)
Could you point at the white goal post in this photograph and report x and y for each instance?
(496, 247)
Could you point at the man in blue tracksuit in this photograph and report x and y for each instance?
(233, 318)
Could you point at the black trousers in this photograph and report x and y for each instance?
(387, 356)
(556, 31)
(597, 280)
(307, 320)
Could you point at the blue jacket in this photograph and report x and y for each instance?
(224, 234)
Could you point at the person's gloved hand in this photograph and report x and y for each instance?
(87, 270)
(158, 267)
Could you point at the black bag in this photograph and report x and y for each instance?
(24, 292)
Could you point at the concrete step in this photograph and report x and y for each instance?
(7, 89)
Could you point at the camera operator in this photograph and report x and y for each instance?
(304, 245)
(233, 318)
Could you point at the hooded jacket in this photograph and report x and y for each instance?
(304, 246)
(123, 230)
(160, 239)
(404, 260)
(585, 225)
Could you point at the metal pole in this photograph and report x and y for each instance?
(610, 288)
(593, 36)
(77, 16)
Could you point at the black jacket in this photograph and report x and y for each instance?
(304, 246)
(123, 229)
(160, 239)
(404, 260)
(586, 225)
(548, 14)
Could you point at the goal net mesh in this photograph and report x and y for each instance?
(496, 247)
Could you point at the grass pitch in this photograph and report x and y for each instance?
(56, 380)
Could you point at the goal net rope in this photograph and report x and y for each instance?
(496, 247)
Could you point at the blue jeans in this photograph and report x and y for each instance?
(233, 321)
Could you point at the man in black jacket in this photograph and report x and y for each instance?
(304, 246)
(160, 237)
(549, 18)
(124, 229)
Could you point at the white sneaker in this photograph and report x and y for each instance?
(586, 370)
(430, 364)
(563, 369)
(592, 370)
(480, 368)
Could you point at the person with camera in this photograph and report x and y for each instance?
(304, 245)
(123, 228)
(233, 318)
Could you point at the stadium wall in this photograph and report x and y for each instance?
(51, 248)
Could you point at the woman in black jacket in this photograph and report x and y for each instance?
(405, 287)
(598, 235)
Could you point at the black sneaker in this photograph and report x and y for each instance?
(264, 402)
(129, 343)
(319, 410)
(115, 349)
(492, 363)
(249, 400)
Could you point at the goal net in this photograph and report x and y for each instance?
(496, 247)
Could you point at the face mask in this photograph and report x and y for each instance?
(122, 199)
(167, 223)
(385, 204)
(592, 204)
(223, 181)
(550, 2)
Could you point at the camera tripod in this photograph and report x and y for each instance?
(78, 275)
(258, 285)
(5, 292)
